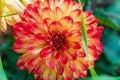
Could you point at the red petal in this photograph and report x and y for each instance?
(63, 58)
(57, 54)
(46, 52)
(40, 37)
(75, 45)
(28, 14)
(20, 63)
(18, 28)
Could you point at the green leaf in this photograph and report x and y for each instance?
(19, 75)
(111, 42)
(103, 77)
(107, 22)
(84, 40)
(10, 14)
(2, 73)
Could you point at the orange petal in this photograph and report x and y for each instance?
(75, 14)
(21, 45)
(55, 26)
(47, 13)
(71, 66)
(71, 54)
(67, 22)
(59, 69)
(51, 62)
(58, 13)
(66, 7)
(36, 47)
(67, 75)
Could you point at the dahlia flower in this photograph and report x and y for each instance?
(49, 36)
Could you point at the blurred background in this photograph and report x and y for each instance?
(108, 65)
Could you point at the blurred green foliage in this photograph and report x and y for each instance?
(107, 67)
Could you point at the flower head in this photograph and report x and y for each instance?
(49, 36)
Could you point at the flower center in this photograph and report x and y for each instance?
(57, 41)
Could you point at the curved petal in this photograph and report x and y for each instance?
(39, 69)
(66, 7)
(51, 62)
(71, 54)
(63, 58)
(55, 26)
(75, 14)
(59, 69)
(21, 45)
(17, 29)
(67, 22)
(46, 52)
(67, 75)
(71, 66)
(47, 13)
(80, 73)
(58, 13)
(36, 47)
